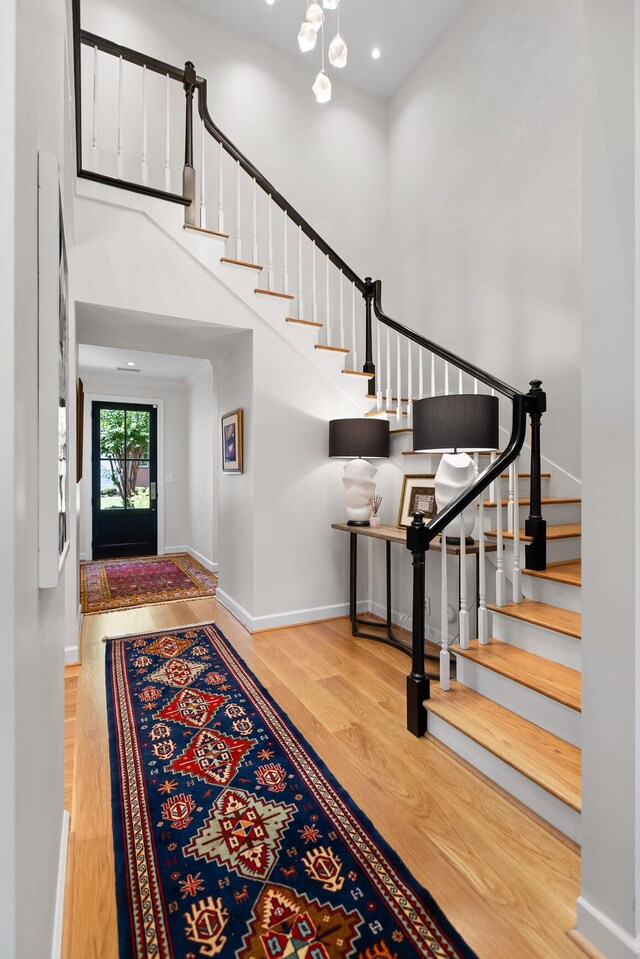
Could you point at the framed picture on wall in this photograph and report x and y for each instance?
(418, 494)
(232, 442)
(53, 377)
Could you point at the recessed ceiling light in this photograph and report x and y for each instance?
(271, 2)
(130, 363)
(375, 53)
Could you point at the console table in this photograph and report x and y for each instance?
(389, 535)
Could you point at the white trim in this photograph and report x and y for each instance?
(56, 945)
(87, 513)
(293, 618)
(72, 653)
(604, 933)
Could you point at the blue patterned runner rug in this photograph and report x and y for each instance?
(231, 837)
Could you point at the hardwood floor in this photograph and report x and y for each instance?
(507, 882)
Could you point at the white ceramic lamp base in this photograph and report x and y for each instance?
(455, 473)
(359, 489)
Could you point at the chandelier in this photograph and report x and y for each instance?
(314, 26)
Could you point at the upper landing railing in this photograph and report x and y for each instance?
(135, 130)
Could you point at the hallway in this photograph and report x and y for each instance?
(505, 881)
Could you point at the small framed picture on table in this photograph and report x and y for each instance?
(232, 442)
(418, 494)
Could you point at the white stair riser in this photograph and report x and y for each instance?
(532, 706)
(552, 593)
(560, 815)
(555, 514)
(535, 639)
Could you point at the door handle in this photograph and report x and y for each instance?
(153, 490)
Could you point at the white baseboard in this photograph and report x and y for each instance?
(56, 945)
(72, 653)
(605, 934)
(203, 560)
(278, 620)
(82, 557)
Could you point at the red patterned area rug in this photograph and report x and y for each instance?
(123, 583)
(231, 837)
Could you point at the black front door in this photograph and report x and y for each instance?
(124, 456)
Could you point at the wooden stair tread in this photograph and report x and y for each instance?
(394, 399)
(250, 266)
(385, 413)
(526, 476)
(569, 571)
(404, 429)
(293, 319)
(545, 500)
(546, 760)
(331, 349)
(357, 373)
(540, 614)
(535, 672)
(562, 531)
(283, 296)
(201, 229)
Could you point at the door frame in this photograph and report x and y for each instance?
(86, 482)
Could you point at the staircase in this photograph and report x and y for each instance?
(513, 710)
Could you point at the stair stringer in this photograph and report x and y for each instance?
(207, 249)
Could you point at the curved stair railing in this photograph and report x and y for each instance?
(249, 210)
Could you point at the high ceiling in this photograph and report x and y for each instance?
(402, 29)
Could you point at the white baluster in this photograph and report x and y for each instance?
(510, 517)
(300, 300)
(517, 580)
(379, 369)
(495, 490)
(459, 381)
(420, 374)
(285, 257)
(327, 300)
(239, 212)
(120, 139)
(446, 379)
(145, 167)
(409, 388)
(433, 374)
(221, 192)
(314, 284)
(94, 135)
(464, 610)
(445, 672)
(389, 397)
(500, 575)
(270, 266)
(341, 312)
(398, 380)
(354, 340)
(167, 138)
(203, 187)
(483, 612)
(254, 244)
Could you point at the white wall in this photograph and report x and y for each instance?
(608, 909)
(485, 201)
(329, 163)
(32, 70)
(202, 434)
(173, 498)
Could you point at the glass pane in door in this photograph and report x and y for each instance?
(138, 489)
(112, 483)
(112, 433)
(137, 425)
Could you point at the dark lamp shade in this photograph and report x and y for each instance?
(464, 423)
(368, 437)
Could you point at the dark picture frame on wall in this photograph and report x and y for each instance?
(418, 493)
(232, 442)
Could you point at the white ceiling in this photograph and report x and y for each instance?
(103, 361)
(403, 30)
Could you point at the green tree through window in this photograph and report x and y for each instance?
(124, 446)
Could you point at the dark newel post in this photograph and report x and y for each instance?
(536, 526)
(417, 681)
(188, 173)
(369, 365)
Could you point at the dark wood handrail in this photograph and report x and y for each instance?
(132, 56)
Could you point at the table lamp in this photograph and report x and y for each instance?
(455, 426)
(355, 439)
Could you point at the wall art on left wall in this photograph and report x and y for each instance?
(53, 377)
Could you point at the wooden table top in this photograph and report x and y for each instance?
(398, 534)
